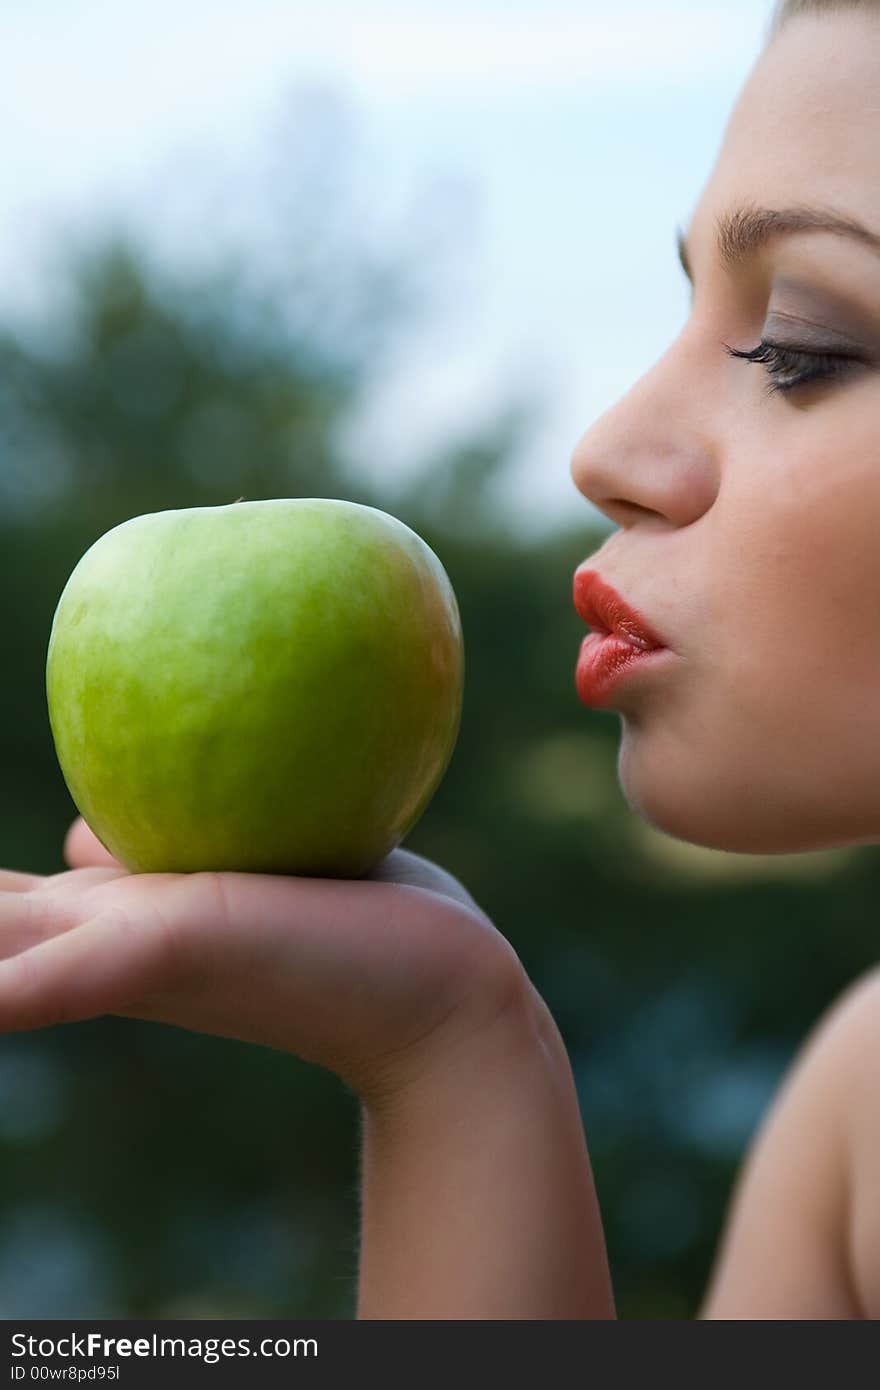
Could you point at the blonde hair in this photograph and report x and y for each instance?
(785, 10)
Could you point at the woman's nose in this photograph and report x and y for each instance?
(650, 453)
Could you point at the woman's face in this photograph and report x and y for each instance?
(750, 522)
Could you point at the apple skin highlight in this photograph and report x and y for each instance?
(269, 686)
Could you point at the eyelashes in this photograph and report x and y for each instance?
(790, 368)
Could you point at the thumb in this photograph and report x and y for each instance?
(83, 849)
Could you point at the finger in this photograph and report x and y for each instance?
(59, 885)
(11, 881)
(103, 964)
(83, 849)
(25, 920)
(46, 911)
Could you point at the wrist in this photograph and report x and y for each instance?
(500, 1019)
(478, 1197)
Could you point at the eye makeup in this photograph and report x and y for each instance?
(817, 319)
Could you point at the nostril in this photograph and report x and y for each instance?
(623, 512)
(624, 505)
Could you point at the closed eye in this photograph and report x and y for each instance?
(789, 368)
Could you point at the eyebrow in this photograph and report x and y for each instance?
(743, 231)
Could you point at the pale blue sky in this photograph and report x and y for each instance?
(573, 137)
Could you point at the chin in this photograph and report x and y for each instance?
(736, 813)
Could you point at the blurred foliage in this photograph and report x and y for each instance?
(151, 1172)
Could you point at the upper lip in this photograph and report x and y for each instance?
(603, 608)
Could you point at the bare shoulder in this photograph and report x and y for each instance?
(802, 1237)
(857, 1075)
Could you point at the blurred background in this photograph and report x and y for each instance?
(403, 255)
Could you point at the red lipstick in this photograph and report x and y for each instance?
(623, 640)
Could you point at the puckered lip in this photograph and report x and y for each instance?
(606, 612)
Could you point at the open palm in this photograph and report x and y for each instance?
(357, 975)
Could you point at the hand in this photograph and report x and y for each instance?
(371, 978)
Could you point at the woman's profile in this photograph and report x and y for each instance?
(742, 473)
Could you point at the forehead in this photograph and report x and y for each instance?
(806, 126)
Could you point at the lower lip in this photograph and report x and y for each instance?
(605, 661)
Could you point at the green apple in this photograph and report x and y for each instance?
(270, 686)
